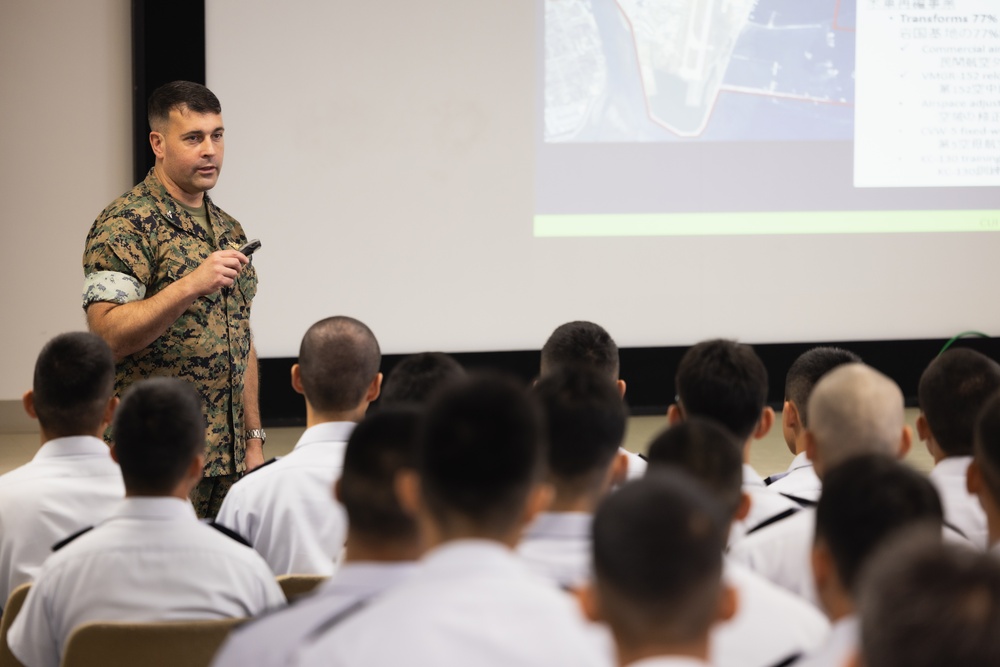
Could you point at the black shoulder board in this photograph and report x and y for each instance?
(788, 661)
(228, 532)
(262, 465)
(772, 520)
(63, 542)
(804, 502)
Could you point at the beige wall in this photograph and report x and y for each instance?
(65, 133)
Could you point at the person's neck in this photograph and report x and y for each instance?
(746, 450)
(46, 436)
(434, 533)
(193, 200)
(837, 604)
(579, 504)
(696, 649)
(361, 548)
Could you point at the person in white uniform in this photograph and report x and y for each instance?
(582, 343)
(726, 381)
(984, 471)
(952, 391)
(71, 482)
(152, 559)
(658, 580)
(381, 552)
(866, 500)
(585, 418)
(286, 508)
(478, 480)
(800, 482)
(853, 410)
(771, 626)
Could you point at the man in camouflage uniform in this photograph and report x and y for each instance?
(169, 291)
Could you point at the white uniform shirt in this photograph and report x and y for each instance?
(800, 481)
(287, 511)
(771, 624)
(471, 602)
(668, 661)
(152, 560)
(961, 509)
(70, 484)
(840, 646)
(272, 640)
(765, 505)
(557, 546)
(636, 464)
(782, 554)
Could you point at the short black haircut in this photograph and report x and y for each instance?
(158, 429)
(986, 447)
(657, 558)
(74, 380)
(807, 370)
(952, 390)
(581, 343)
(706, 451)
(414, 379)
(338, 359)
(725, 381)
(381, 445)
(586, 423)
(480, 450)
(865, 500)
(177, 94)
(927, 602)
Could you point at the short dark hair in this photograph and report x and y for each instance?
(657, 548)
(586, 423)
(706, 451)
(725, 381)
(338, 359)
(807, 370)
(479, 451)
(379, 447)
(177, 94)
(986, 447)
(158, 430)
(865, 500)
(952, 390)
(74, 380)
(414, 379)
(581, 343)
(927, 602)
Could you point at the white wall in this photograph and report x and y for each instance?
(65, 133)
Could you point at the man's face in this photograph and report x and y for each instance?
(189, 149)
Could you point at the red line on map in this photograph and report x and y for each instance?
(836, 20)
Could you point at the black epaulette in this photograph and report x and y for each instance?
(63, 542)
(803, 502)
(262, 465)
(229, 532)
(788, 661)
(643, 457)
(773, 520)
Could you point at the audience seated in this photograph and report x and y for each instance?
(725, 381)
(478, 481)
(952, 391)
(415, 379)
(866, 500)
(984, 471)
(771, 626)
(658, 571)
(586, 424)
(286, 508)
(800, 482)
(381, 551)
(71, 482)
(152, 560)
(587, 344)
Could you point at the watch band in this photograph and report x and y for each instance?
(256, 433)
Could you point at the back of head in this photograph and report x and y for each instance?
(379, 447)
(581, 343)
(177, 95)
(807, 370)
(987, 444)
(417, 377)
(855, 410)
(480, 450)
(926, 603)
(586, 423)
(159, 429)
(338, 359)
(725, 381)
(74, 380)
(657, 547)
(706, 451)
(865, 501)
(953, 389)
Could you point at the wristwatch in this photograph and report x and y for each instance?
(256, 433)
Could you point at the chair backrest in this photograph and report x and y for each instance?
(294, 585)
(156, 644)
(10, 610)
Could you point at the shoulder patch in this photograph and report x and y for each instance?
(66, 540)
(228, 532)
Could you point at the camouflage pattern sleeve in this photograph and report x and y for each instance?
(118, 261)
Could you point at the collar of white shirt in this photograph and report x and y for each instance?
(751, 477)
(669, 661)
(801, 460)
(161, 508)
(366, 577)
(77, 445)
(325, 432)
(560, 525)
(953, 466)
(470, 556)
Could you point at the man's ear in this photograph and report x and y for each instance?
(590, 602)
(109, 411)
(114, 453)
(617, 471)
(407, 485)
(765, 423)
(923, 429)
(336, 491)
(621, 387)
(746, 502)
(297, 380)
(790, 416)
(28, 401)
(729, 603)
(156, 142)
(905, 442)
(674, 415)
(374, 389)
(973, 478)
(822, 566)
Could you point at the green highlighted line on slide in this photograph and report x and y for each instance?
(784, 222)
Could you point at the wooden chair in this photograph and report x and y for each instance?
(10, 610)
(294, 585)
(155, 644)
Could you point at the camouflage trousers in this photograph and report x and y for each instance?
(208, 495)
